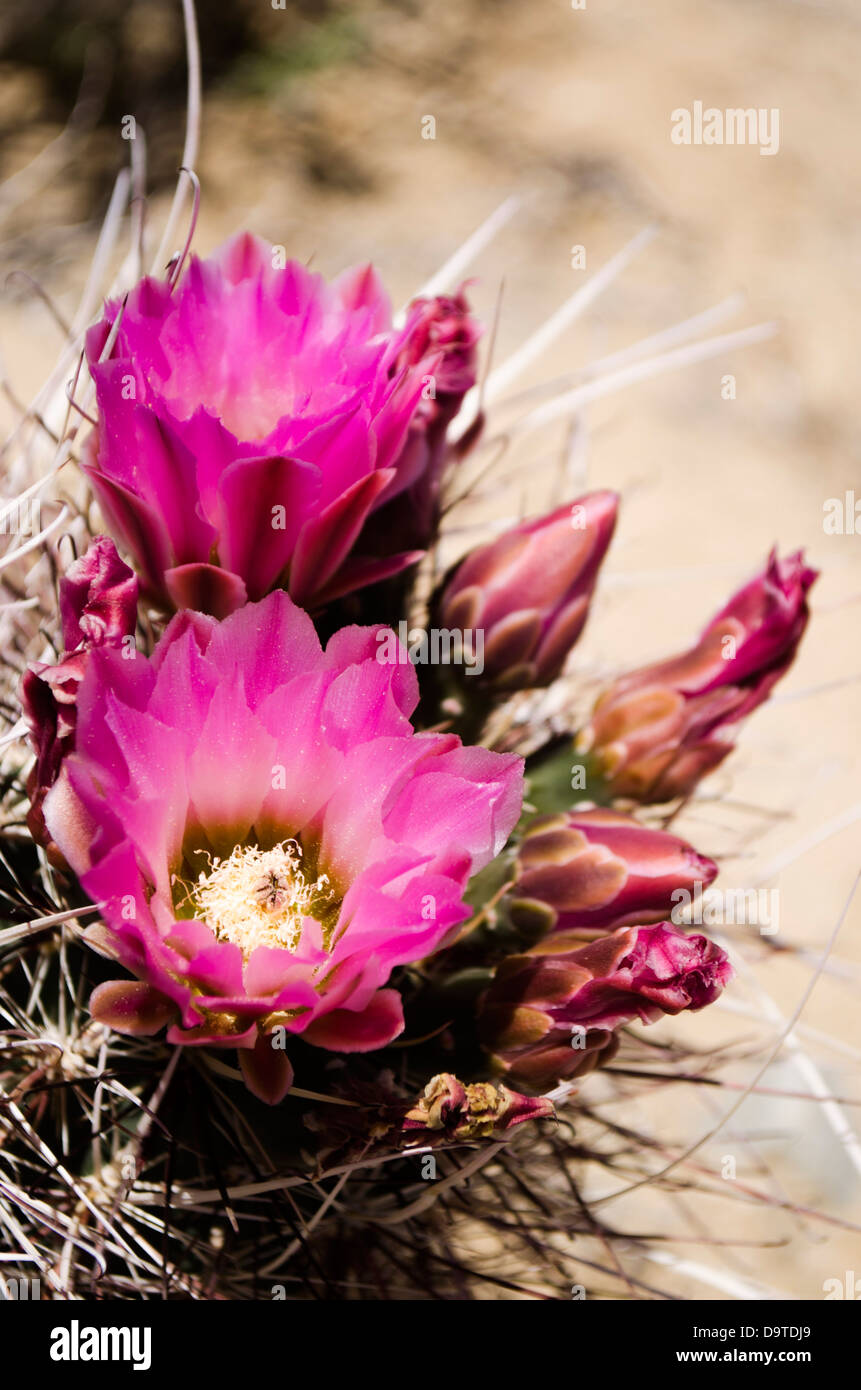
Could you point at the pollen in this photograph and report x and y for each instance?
(259, 897)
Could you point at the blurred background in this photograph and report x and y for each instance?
(314, 135)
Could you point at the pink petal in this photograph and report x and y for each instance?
(266, 1070)
(205, 588)
(362, 288)
(344, 1031)
(325, 542)
(358, 571)
(230, 771)
(137, 524)
(263, 504)
(128, 1006)
(264, 645)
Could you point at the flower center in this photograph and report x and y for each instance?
(260, 897)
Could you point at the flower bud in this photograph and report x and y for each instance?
(443, 327)
(529, 591)
(588, 872)
(98, 598)
(657, 731)
(440, 342)
(98, 607)
(549, 1016)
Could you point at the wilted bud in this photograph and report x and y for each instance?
(449, 1110)
(550, 1016)
(529, 591)
(98, 606)
(587, 872)
(381, 1117)
(657, 731)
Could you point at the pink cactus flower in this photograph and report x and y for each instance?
(530, 590)
(98, 606)
(656, 732)
(268, 836)
(587, 872)
(251, 419)
(550, 1017)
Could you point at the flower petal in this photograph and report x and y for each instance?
(128, 1006)
(344, 1031)
(266, 1070)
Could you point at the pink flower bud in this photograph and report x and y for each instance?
(440, 343)
(529, 591)
(587, 872)
(98, 598)
(549, 1017)
(443, 329)
(657, 731)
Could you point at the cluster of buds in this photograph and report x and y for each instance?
(530, 590)
(552, 1016)
(98, 607)
(584, 873)
(657, 731)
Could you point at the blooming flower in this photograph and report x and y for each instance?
(657, 731)
(550, 1017)
(588, 872)
(268, 836)
(529, 591)
(251, 418)
(98, 606)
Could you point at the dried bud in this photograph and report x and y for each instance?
(529, 591)
(449, 1110)
(551, 1017)
(657, 731)
(98, 607)
(588, 872)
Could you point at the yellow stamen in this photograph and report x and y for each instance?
(259, 897)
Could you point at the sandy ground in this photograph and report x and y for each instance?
(571, 109)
